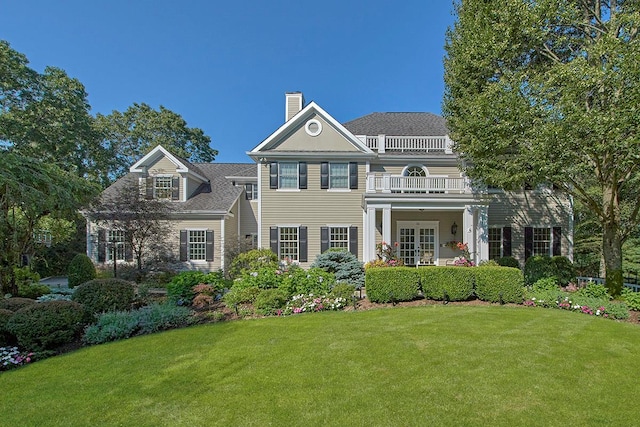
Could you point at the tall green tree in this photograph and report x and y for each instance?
(46, 116)
(31, 191)
(548, 91)
(130, 135)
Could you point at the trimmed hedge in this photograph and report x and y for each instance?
(392, 284)
(499, 284)
(104, 295)
(80, 270)
(5, 336)
(47, 325)
(15, 304)
(447, 283)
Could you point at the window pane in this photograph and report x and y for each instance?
(287, 175)
(197, 245)
(115, 239)
(338, 175)
(289, 243)
(339, 237)
(495, 243)
(542, 241)
(162, 187)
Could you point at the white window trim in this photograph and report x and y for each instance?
(297, 186)
(197, 261)
(339, 190)
(307, 127)
(347, 226)
(533, 239)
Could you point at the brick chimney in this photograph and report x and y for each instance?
(294, 102)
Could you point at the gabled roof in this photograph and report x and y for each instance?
(311, 109)
(399, 124)
(181, 164)
(216, 177)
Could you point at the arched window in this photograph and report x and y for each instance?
(415, 181)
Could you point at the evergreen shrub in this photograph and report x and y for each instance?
(508, 261)
(145, 320)
(16, 303)
(391, 284)
(447, 283)
(47, 325)
(499, 284)
(538, 267)
(80, 270)
(6, 337)
(565, 271)
(104, 295)
(343, 264)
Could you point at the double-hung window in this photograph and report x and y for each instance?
(339, 175)
(288, 243)
(115, 244)
(288, 175)
(197, 245)
(542, 241)
(339, 237)
(163, 187)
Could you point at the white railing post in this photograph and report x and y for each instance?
(448, 148)
(386, 183)
(381, 144)
(371, 183)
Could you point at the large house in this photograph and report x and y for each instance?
(317, 184)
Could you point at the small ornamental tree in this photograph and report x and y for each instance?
(80, 270)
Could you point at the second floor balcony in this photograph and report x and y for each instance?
(409, 144)
(388, 183)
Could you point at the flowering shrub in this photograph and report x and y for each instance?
(578, 303)
(313, 281)
(310, 303)
(461, 261)
(387, 256)
(11, 357)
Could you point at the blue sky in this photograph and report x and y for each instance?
(225, 66)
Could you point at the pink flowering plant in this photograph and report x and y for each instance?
(311, 303)
(12, 357)
(387, 256)
(573, 302)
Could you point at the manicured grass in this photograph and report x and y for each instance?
(431, 365)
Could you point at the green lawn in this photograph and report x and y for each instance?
(430, 365)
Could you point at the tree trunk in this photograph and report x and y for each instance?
(612, 253)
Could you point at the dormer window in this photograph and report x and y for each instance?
(163, 187)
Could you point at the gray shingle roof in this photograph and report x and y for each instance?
(224, 192)
(399, 124)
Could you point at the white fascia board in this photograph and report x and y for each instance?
(298, 119)
(161, 151)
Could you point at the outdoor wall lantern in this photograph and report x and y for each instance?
(454, 228)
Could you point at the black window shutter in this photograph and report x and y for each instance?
(183, 245)
(149, 188)
(273, 240)
(175, 188)
(302, 241)
(528, 242)
(102, 245)
(209, 246)
(324, 239)
(506, 241)
(324, 175)
(353, 175)
(302, 175)
(248, 191)
(353, 240)
(273, 175)
(557, 241)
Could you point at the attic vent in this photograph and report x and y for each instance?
(313, 127)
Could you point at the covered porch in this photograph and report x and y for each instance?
(424, 232)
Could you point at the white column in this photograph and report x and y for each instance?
(468, 229)
(386, 182)
(221, 239)
(369, 248)
(381, 142)
(482, 234)
(386, 224)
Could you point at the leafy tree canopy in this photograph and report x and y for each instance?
(547, 91)
(130, 135)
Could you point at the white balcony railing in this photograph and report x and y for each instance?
(387, 183)
(426, 144)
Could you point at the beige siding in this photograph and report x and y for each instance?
(163, 165)
(248, 216)
(313, 208)
(327, 140)
(531, 209)
(202, 224)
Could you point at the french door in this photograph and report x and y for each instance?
(418, 242)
